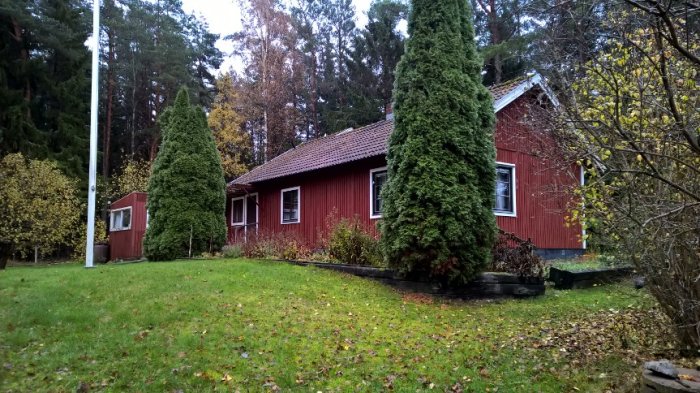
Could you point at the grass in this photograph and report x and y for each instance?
(222, 325)
(578, 266)
(587, 264)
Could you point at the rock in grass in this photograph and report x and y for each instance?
(639, 282)
(663, 368)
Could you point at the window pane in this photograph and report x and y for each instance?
(504, 189)
(378, 180)
(116, 219)
(126, 218)
(290, 206)
(237, 211)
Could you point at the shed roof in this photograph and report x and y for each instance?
(364, 142)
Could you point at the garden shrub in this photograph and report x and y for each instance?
(39, 206)
(350, 243)
(232, 251)
(286, 246)
(79, 240)
(514, 255)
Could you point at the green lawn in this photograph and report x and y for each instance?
(582, 265)
(263, 326)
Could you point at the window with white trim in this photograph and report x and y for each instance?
(377, 178)
(505, 190)
(291, 205)
(120, 219)
(237, 216)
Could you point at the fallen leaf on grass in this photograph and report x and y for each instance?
(417, 298)
(141, 335)
(484, 373)
(390, 381)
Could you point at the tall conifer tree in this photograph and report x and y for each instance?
(438, 221)
(186, 192)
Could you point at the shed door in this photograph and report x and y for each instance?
(251, 214)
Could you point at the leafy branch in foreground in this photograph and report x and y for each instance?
(632, 120)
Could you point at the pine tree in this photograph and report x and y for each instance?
(187, 192)
(44, 82)
(506, 30)
(438, 221)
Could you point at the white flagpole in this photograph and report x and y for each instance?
(92, 186)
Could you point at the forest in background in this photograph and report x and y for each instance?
(307, 70)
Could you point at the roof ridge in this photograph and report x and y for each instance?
(509, 82)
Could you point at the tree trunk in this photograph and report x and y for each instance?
(494, 27)
(133, 106)
(314, 95)
(107, 133)
(5, 254)
(24, 55)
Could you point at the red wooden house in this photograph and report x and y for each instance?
(128, 220)
(343, 173)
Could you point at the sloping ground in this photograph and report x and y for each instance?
(258, 326)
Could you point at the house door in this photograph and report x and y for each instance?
(251, 214)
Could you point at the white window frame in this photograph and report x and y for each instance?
(514, 213)
(371, 191)
(111, 219)
(233, 223)
(298, 190)
(257, 212)
(243, 223)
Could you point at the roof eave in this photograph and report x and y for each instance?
(525, 86)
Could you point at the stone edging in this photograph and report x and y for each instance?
(564, 279)
(488, 284)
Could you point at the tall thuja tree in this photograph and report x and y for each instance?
(186, 192)
(438, 221)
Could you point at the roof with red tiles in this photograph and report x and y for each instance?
(357, 144)
(502, 89)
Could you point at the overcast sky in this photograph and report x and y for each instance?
(224, 18)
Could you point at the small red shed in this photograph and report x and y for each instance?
(128, 220)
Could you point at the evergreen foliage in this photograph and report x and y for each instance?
(44, 82)
(187, 192)
(438, 221)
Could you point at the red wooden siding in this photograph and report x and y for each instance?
(542, 185)
(541, 200)
(128, 244)
(341, 190)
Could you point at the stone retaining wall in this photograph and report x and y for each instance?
(488, 284)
